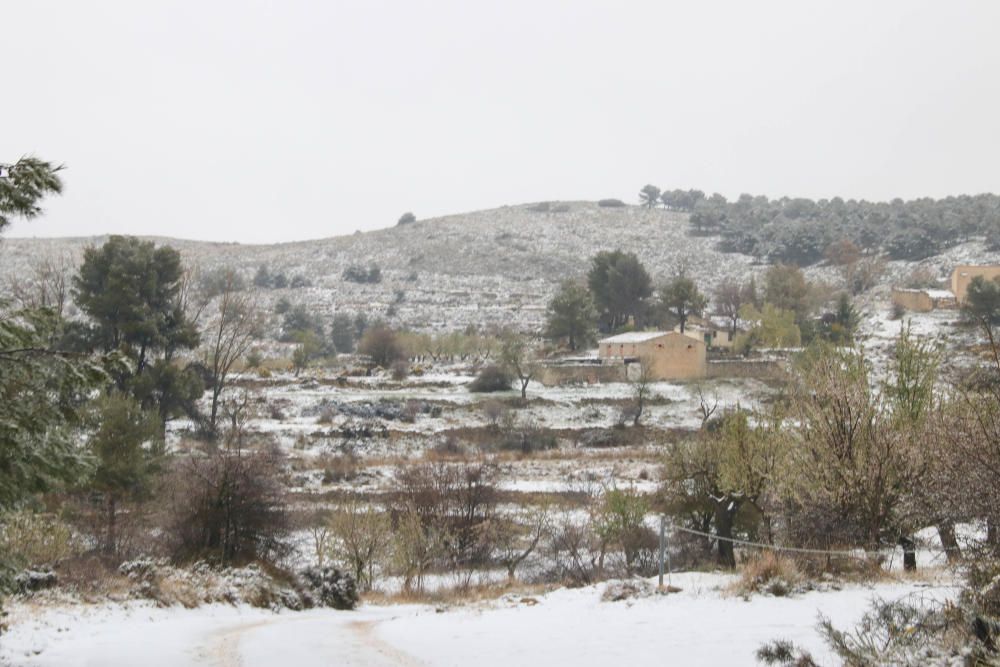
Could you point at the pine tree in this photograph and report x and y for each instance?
(571, 315)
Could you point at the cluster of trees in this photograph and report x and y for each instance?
(356, 273)
(265, 279)
(448, 517)
(845, 461)
(801, 231)
(84, 403)
(849, 460)
(619, 294)
(673, 200)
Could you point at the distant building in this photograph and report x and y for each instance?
(963, 275)
(709, 332)
(923, 300)
(671, 355)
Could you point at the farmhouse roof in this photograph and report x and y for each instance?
(932, 293)
(634, 337)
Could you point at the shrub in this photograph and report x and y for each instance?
(34, 540)
(356, 273)
(922, 277)
(417, 543)
(400, 370)
(526, 438)
(491, 378)
(620, 522)
(577, 556)
(330, 587)
(381, 345)
(495, 412)
(449, 447)
(254, 360)
(769, 573)
(457, 500)
(228, 506)
(611, 203)
(362, 537)
(341, 468)
(406, 219)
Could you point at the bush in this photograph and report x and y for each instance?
(576, 553)
(382, 346)
(526, 438)
(358, 274)
(330, 587)
(611, 203)
(455, 501)
(769, 573)
(491, 378)
(406, 219)
(620, 522)
(228, 506)
(362, 537)
(495, 413)
(33, 540)
(400, 370)
(341, 468)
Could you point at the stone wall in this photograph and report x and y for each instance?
(552, 376)
(759, 369)
(916, 301)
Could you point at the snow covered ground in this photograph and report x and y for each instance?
(701, 625)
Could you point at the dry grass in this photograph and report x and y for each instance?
(769, 573)
(462, 595)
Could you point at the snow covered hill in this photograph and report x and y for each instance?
(492, 267)
(496, 267)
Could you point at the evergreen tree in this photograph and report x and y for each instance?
(681, 298)
(22, 187)
(127, 448)
(342, 333)
(649, 196)
(571, 315)
(620, 286)
(131, 292)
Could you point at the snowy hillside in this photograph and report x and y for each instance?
(493, 267)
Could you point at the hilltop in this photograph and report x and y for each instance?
(495, 267)
(482, 268)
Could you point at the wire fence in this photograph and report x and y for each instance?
(938, 552)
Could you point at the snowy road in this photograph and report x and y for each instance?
(700, 625)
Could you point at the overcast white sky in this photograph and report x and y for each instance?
(272, 121)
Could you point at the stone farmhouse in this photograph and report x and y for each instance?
(963, 275)
(670, 355)
(925, 300)
(709, 332)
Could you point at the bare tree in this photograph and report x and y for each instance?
(730, 297)
(47, 286)
(706, 407)
(233, 331)
(362, 537)
(518, 357)
(515, 540)
(641, 388)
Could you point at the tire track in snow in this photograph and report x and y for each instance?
(344, 641)
(365, 631)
